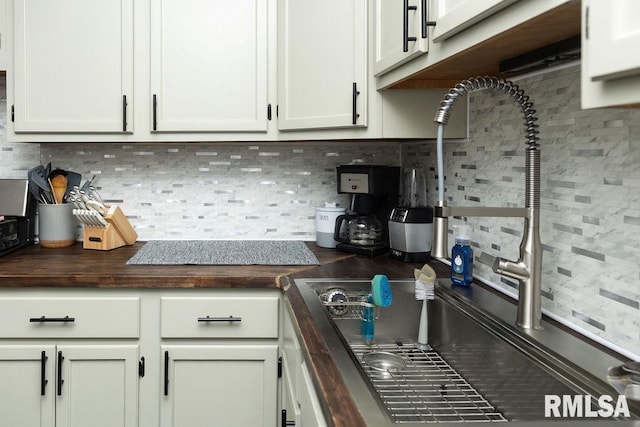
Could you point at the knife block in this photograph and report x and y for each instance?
(118, 232)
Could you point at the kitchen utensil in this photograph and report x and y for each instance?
(94, 193)
(90, 218)
(87, 184)
(59, 187)
(57, 227)
(96, 206)
(38, 175)
(73, 179)
(55, 201)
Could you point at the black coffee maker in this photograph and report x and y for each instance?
(374, 193)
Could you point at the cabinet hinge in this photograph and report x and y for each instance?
(269, 112)
(13, 114)
(280, 367)
(141, 365)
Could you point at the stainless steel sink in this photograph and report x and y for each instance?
(479, 368)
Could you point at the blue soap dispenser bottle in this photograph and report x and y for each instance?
(462, 257)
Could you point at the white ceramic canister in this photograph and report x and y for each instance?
(326, 222)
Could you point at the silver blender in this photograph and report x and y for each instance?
(411, 223)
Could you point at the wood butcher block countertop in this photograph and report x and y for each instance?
(77, 267)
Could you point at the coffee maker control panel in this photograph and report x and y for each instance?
(357, 183)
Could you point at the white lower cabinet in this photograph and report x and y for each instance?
(69, 360)
(69, 385)
(299, 402)
(225, 385)
(310, 411)
(29, 400)
(96, 385)
(219, 358)
(135, 357)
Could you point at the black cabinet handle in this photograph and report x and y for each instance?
(219, 319)
(141, 367)
(166, 373)
(425, 22)
(354, 103)
(44, 319)
(43, 373)
(60, 380)
(405, 26)
(283, 420)
(124, 113)
(155, 112)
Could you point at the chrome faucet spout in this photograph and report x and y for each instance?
(528, 268)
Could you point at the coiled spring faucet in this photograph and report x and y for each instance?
(528, 269)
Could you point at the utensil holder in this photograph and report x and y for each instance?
(118, 232)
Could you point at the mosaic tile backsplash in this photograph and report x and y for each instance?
(219, 191)
(590, 192)
(590, 198)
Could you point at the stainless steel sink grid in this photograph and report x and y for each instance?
(428, 390)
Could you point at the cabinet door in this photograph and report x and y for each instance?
(610, 53)
(26, 393)
(614, 37)
(209, 65)
(310, 411)
(222, 385)
(4, 25)
(401, 32)
(97, 386)
(73, 68)
(453, 16)
(322, 53)
(289, 396)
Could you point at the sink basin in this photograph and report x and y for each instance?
(479, 367)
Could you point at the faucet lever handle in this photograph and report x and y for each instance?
(487, 259)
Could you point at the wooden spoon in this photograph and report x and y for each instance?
(59, 187)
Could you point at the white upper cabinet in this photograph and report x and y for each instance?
(322, 57)
(209, 65)
(401, 32)
(454, 16)
(4, 26)
(73, 66)
(610, 53)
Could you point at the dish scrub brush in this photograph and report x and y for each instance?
(380, 296)
(381, 290)
(424, 290)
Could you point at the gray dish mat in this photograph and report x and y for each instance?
(224, 252)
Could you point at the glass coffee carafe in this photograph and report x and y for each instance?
(361, 230)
